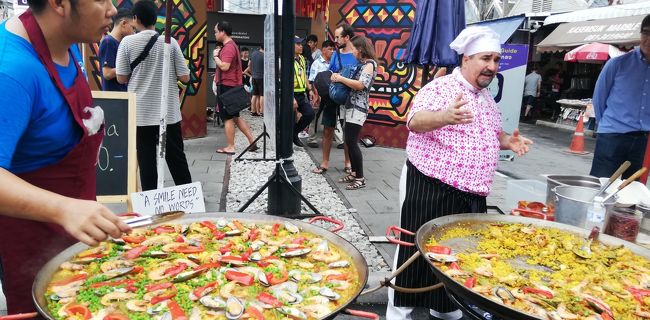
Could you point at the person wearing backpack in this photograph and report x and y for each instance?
(356, 107)
(342, 58)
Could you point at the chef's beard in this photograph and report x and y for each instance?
(485, 83)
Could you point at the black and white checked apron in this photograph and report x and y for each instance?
(426, 199)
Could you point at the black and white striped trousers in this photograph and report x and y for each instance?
(426, 199)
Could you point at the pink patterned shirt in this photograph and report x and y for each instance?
(463, 156)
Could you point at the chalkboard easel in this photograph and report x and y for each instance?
(117, 160)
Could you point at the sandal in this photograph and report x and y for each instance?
(319, 170)
(347, 179)
(347, 170)
(356, 184)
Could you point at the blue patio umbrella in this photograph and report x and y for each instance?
(437, 23)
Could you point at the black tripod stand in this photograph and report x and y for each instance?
(262, 136)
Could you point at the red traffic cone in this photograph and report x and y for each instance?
(578, 142)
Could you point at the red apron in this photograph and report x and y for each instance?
(25, 245)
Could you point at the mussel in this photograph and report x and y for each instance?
(187, 275)
(117, 272)
(504, 294)
(291, 227)
(329, 293)
(339, 264)
(293, 312)
(213, 302)
(234, 308)
(310, 277)
(295, 253)
(442, 258)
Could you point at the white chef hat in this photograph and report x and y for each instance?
(473, 40)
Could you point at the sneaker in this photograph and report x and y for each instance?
(312, 144)
(303, 135)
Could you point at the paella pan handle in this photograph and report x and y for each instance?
(392, 234)
(18, 316)
(362, 314)
(339, 224)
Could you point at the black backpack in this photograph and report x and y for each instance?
(322, 83)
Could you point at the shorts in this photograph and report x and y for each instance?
(529, 100)
(329, 113)
(258, 87)
(222, 115)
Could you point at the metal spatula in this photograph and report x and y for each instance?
(613, 178)
(155, 219)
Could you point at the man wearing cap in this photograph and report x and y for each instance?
(621, 96)
(452, 153)
(300, 89)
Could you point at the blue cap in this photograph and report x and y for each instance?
(297, 39)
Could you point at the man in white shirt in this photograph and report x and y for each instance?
(532, 85)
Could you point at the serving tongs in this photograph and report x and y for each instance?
(142, 221)
(613, 178)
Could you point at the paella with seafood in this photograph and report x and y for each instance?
(224, 269)
(544, 272)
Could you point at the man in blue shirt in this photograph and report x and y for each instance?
(622, 104)
(108, 49)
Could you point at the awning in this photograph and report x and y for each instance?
(505, 27)
(623, 31)
(608, 12)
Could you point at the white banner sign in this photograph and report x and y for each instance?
(187, 197)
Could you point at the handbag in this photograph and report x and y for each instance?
(338, 91)
(234, 100)
(322, 83)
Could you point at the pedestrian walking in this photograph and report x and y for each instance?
(532, 86)
(108, 50)
(256, 71)
(140, 59)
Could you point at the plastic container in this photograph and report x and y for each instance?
(623, 223)
(524, 190)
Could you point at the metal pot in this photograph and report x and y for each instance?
(574, 203)
(437, 226)
(47, 271)
(555, 180)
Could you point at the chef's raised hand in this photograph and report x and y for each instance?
(515, 142)
(90, 222)
(456, 113)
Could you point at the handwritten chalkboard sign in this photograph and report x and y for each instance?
(117, 161)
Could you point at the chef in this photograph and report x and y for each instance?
(51, 133)
(452, 153)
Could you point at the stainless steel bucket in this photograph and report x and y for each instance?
(555, 180)
(574, 203)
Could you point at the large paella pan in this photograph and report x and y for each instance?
(521, 268)
(206, 266)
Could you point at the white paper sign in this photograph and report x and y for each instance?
(186, 197)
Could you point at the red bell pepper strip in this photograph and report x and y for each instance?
(439, 249)
(115, 316)
(208, 266)
(470, 282)
(299, 240)
(137, 269)
(134, 239)
(540, 292)
(226, 248)
(275, 229)
(209, 225)
(189, 249)
(172, 271)
(179, 239)
(238, 225)
(454, 266)
(160, 298)
(77, 277)
(247, 254)
(78, 309)
(273, 280)
(157, 286)
(337, 277)
(638, 294)
(176, 311)
(231, 259)
(201, 291)
(240, 277)
(265, 261)
(218, 234)
(135, 252)
(606, 316)
(164, 229)
(269, 299)
(129, 284)
(254, 313)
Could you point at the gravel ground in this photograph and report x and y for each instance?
(246, 177)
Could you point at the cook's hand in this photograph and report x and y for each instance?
(91, 222)
(519, 144)
(335, 77)
(456, 113)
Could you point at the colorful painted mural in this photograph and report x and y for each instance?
(387, 24)
(189, 29)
